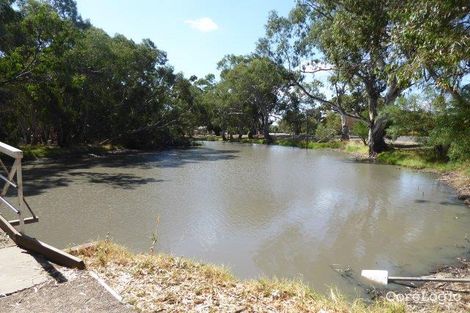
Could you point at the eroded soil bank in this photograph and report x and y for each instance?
(460, 182)
(157, 282)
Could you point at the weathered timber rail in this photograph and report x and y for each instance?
(18, 236)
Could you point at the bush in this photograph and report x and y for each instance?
(324, 133)
(360, 129)
(452, 132)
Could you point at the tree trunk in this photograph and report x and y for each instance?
(344, 128)
(240, 135)
(266, 134)
(376, 137)
(223, 135)
(376, 129)
(251, 133)
(230, 135)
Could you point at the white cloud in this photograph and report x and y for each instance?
(204, 24)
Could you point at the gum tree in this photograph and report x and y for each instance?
(352, 40)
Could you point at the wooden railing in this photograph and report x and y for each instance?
(19, 237)
(9, 181)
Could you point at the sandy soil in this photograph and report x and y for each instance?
(78, 293)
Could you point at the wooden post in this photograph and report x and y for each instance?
(19, 183)
(15, 169)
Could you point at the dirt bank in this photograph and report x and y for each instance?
(438, 297)
(460, 182)
(153, 283)
(70, 291)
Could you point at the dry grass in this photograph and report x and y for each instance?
(154, 283)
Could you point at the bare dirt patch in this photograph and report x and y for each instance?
(440, 297)
(460, 182)
(81, 293)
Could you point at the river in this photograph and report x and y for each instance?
(262, 211)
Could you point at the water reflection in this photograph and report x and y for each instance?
(263, 211)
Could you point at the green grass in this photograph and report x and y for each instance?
(309, 144)
(253, 140)
(356, 147)
(422, 158)
(282, 142)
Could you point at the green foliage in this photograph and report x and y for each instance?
(324, 133)
(247, 95)
(309, 144)
(330, 127)
(361, 130)
(452, 130)
(374, 51)
(433, 36)
(410, 117)
(419, 159)
(66, 82)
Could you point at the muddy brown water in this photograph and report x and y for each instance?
(262, 211)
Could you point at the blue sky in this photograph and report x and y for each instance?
(196, 34)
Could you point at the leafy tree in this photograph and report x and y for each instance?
(411, 116)
(434, 37)
(451, 135)
(251, 91)
(65, 81)
(352, 40)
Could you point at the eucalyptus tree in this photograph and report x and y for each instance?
(434, 36)
(255, 87)
(65, 81)
(352, 40)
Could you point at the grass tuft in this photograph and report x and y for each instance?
(160, 282)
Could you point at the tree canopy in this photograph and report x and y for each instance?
(329, 67)
(63, 80)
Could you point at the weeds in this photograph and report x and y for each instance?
(161, 282)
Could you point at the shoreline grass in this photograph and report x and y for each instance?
(154, 282)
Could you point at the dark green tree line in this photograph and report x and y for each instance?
(64, 81)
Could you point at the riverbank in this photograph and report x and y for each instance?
(29, 283)
(159, 282)
(448, 297)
